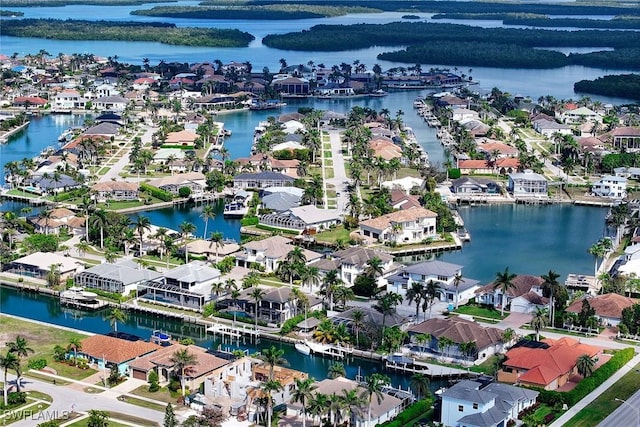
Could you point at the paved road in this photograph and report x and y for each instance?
(628, 414)
(339, 172)
(66, 399)
(114, 171)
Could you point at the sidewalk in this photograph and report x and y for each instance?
(595, 393)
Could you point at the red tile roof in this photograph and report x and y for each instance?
(115, 350)
(607, 305)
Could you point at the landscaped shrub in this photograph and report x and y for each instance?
(165, 196)
(249, 220)
(17, 398)
(153, 381)
(549, 417)
(37, 364)
(290, 324)
(410, 415)
(174, 385)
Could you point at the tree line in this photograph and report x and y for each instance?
(125, 31)
(624, 85)
(535, 20)
(210, 10)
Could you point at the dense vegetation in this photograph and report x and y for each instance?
(10, 13)
(624, 85)
(125, 31)
(277, 12)
(360, 36)
(535, 20)
(61, 3)
(477, 54)
(619, 58)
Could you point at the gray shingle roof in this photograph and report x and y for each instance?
(123, 273)
(194, 272)
(434, 268)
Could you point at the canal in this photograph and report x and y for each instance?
(47, 309)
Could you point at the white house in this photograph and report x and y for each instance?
(68, 99)
(468, 403)
(302, 218)
(463, 114)
(269, 252)
(548, 128)
(352, 262)
(613, 187)
(526, 293)
(402, 227)
(582, 114)
(122, 277)
(527, 184)
(444, 274)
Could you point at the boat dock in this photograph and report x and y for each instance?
(429, 369)
(233, 331)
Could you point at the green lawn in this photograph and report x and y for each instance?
(163, 395)
(327, 154)
(328, 172)
(333, 235)
(326, 146)
(405, 172)
(69, 371)
(328, 163)
(605, 404)
(143, 403)
(480, 311)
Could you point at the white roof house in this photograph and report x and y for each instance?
(613, 187)
(288, 145)
(580, 114)
(406, 183)
(527, 184)
(39, 263)
(307, 217)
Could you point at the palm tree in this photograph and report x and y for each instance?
(342, 294)
(373, 387)
(76, 345)
(257, 294)
(216, 238)
(141, 223)
(457, 279)
(186, 228)
(268, 388)
(331, 282)
(598, 251)
(272, 357)
(585, 365)
(335, 370)
(181, 359)
(415, 294)
(352, 403)
(538, 322)
(318, 405)
(99, 219)
(420, 384)
(550, 282)
(431, 290)
(387, 305)
(504, 282)
(20, 348)
(357, 323)
(116, 315)
(302, 394)
(310, 275)
(335, 408)
(234, 297)
(208, 212)
(10, 361)
(374, 268)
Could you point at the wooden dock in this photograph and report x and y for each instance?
(429, 369)
(232, 331)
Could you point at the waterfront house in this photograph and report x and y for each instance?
(195, 181)
(382, 410)
(112, 103)
(475, 186)
(230, 381)
(45, 183)
(401, 200)
(608, 307)
(459, 333)
(115, 190)
(522, 285)
(214, 252)
(549, 364)
(372, 319)
(627, 172)
(459, 114)
(106, 351)
(385, 148)
(580, 115)
(402, 227)
(285, 376)
(470, 403)
(29, 102)
(446, 275)
(549, 128)
(527, 184)
(261, 180)
(307, 218)
(501, 166)
(183, 138)
(280, 202)
(610, 186)
(59, 219)
(352, 262)
(69, 99)
(106, 129)
(268, 253)
(626, 138)
(291, 85)
(120, 278)
(39, 264)
(188, 285)
(406, 184)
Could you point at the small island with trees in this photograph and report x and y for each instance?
(623, 85)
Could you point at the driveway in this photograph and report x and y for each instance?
(514, 321)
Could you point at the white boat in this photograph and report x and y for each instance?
(302, 347)
(77, 294)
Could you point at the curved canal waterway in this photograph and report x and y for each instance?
(46, 308)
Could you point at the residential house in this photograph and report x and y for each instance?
(280, 202)
(59, 219)
(371, 318)
(214, 252)
(402, 227)
(627, 172)
(305, 219)
(385, 148)
(106, 351)
(29, 102)
(610, 186)
(446, 275)
(492, 148)
(161, 362)
(195, 181)
(69, 99)
(608, 307)
(471, 404)
(624, 138)
(522, 285)
(459, 333)
(527, 184)
(115, 190)
(501, 166)
(402, 201)
(406, 184)
(39, 264)
(121, 278)
(459, 114)
(51, 184)
(182, 138)
(262, 180)
(383, 409)
(112, 103)
(268, 253)
(285, 376)
(549, 364)
(106, 129)
(550, 127)
(352, 262)
(578, 115)
(230, 381)
(188, 286)
(291, 85)
(475, 186)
